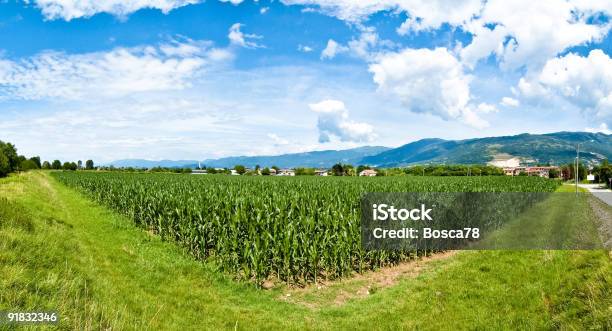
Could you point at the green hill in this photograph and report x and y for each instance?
(553, 148)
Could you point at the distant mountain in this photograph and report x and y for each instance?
(317, 159)
(556, 148)
(140, 163)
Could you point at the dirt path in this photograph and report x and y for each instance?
(339, 292)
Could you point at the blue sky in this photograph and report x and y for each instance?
(185, 79)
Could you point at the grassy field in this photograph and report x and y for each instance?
(59, 250)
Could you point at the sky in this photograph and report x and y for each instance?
(191, 79)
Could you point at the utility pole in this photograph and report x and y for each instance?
(577, 164)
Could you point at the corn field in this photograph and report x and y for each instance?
(298, 229)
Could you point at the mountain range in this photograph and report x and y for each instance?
(553, 148)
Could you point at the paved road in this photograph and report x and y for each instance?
(599, 191)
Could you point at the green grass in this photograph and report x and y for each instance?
(60, 251)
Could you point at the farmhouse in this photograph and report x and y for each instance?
(272, 171)
(530, 171)
(286, 172)
(368, 173)
(321, 172)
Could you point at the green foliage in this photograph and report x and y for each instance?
(28, 165)
(11, 157)
(454, 170)
(265, 172)
(5, 166)
(554, 173)
(603, 173)
(304, 171)
(57, 165)
(293, 228)
(343, 170)
(89, 165)
(46, 165)
(36, 160)
(69, 166)
(240, 169)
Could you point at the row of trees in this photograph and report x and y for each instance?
(11, 161)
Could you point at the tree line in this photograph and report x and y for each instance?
(11, 161)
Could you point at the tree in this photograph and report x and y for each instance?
(89, 165)
(5, 166)
(36, 160)
(240, 169)
(69, 166)
(553, 173)
(265, 171)
(46, 165)
(337, 170)
(56, 165)
(80, 164)
(10, 152)
(28, 165)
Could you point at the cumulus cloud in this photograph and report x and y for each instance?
(366, 46)
(430, 82)
(519, 33)
(334, 122)
(527, 33)
(510, 102)
(71, 9)
(332, 49)
(239, 38)
(114, 73)
(424, 14)
(585, 82)
(264, 10)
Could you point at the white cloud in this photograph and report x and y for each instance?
(428, 81)
(486, 108)
(334, 123)
(118, 72)
(264, 10)
(239, 38)
(586, 82)
(425, 14)
(603, 128)
(519, 33)
(71, 9)
(510, 102)
(366, 46)
(530, 32)
(332, 49)
(277, 140)
(304, 48)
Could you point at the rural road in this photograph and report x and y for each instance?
(599, 191)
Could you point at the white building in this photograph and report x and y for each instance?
(368, 173)
(286, 172)
(321, 172)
